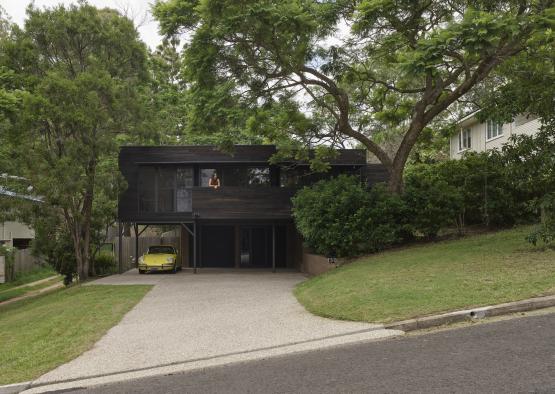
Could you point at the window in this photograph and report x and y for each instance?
(165, 189)
(184, 196)
(245, 176)
(205, 175)
(465, 139)
(21, 243)
(258, 176)
(161, 249)
(493, 129)
(147, 189)
(238, 176)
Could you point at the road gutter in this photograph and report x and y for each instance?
(472, 314)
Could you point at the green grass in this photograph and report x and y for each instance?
(40, 333)
(415, 281)
(8, 294)
(28, 277)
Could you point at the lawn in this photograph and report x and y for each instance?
(7, 294)
(28, 277)
(395, 285)
(38, 334)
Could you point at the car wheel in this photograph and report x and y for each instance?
(141, 272)
(174, 269)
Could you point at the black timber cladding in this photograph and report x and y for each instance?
(227, 203)
(205, 154)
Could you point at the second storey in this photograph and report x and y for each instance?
(473, 135)
(171, 184)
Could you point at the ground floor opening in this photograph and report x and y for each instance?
(250, 245)
(216, 244)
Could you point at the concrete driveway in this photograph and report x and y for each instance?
(187, 320)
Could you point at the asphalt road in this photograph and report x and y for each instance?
(512, 356)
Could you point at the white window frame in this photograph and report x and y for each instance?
(465, 139)
(493, 130)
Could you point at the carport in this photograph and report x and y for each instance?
(218, 244)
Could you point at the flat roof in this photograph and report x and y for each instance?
(206, 154)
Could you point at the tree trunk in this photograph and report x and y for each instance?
(395, 183)
(86, 250)
(77, 248)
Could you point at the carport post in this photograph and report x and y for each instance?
(120, 240)
(273, 248)
(136, 227)
(195, 247)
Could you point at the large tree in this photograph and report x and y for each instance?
(81, 69)
(526, 87)
(364, 68)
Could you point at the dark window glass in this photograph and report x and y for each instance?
(185, 182)
(234, 176)
(21, 243)
(147, 189)
(161, 250)
(166, 190)
(259, 176)
(245, 176)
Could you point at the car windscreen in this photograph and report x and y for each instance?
(161, 250)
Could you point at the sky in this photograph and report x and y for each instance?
(137, 10)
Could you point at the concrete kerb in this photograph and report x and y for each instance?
(473, 314)
(14, 388)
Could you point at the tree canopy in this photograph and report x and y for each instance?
(361, 69)
(81, 70)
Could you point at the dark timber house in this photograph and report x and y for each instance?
(247, 222)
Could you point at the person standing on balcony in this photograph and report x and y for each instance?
(214, 181)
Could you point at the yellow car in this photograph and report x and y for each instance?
(159, 258)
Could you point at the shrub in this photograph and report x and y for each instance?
(481, 181)
(57, 249)
(433, 203)
(341, 217)
(104, 264)
(546, 230)
(388, 219)
(332, 215)
(473, 190)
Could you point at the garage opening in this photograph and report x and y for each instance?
(242, 246)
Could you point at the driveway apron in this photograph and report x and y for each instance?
(188, 317)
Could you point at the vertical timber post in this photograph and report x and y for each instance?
(120, 250)
(195, 247)
(136, 227)
(273, 248)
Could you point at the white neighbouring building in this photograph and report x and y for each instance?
(473, 135)
(16, 234)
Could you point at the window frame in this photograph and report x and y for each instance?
(491, 127)
(156, 182)
(463, 139)
(223, 173)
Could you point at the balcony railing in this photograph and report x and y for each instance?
(242, 202)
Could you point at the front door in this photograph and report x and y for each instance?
(256, 246)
